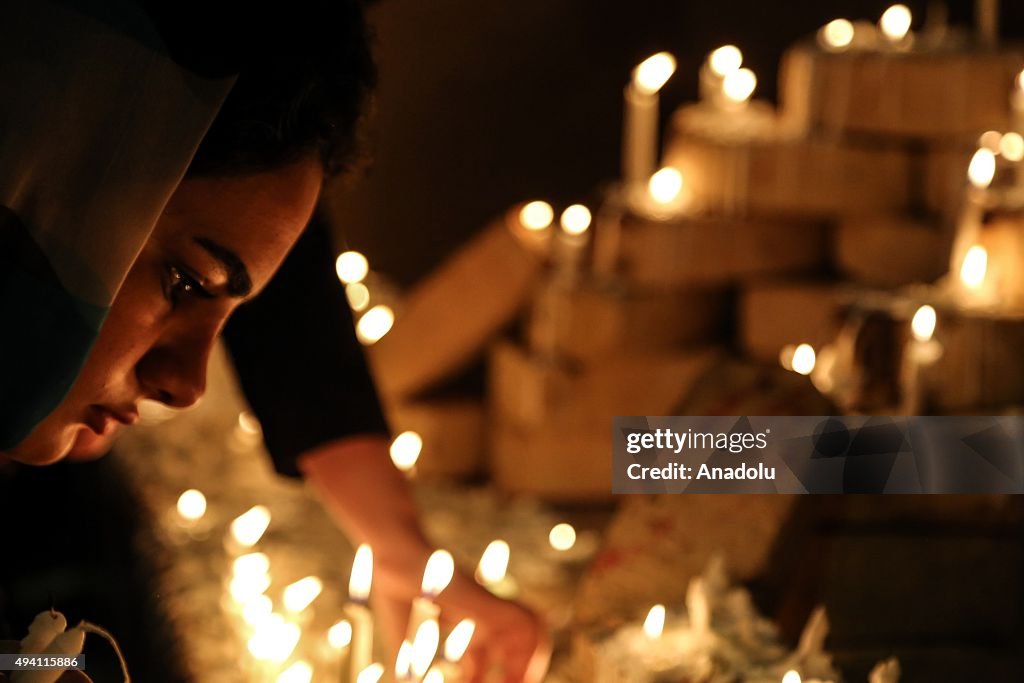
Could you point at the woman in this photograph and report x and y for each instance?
(155, 170)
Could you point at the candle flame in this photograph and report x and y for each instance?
(438, 573)
(652, 73)
(298, 596)
(895, 23)
(371, 674)
(358, 295)
(351, 267)
(982, 168)
(274, 640)
(256, 609)
(246, 587)
(803, 359)
(251, 564)
(362, 574)
(340, 635)
(403, 662)
(458, 640)
(299, 672)
(249, 527)
(974, 267)
(665, 185)
(536, 215)
(739, 85)
(435, 675)
(192, 505)
(374, 324)
(922, 325)
(1019, 81)
(1011, 146)
(405, 450)
(576, 219)
(654, 624)
(791, 677)
(493, 563)
(424, 647)
(724, 60)
(562, 536)
(990, 140)
(838, 34)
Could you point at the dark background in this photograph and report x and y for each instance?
(482, 104)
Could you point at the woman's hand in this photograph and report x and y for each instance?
(509, 639)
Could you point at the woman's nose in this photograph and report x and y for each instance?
(175, 374)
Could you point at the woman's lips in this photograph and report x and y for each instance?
(101, 419)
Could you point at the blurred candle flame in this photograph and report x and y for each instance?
(351, 267)
(837, 34)
(248, 528)
(576, 219)
(803, 359)
(424, 647)
(895, 23)
(371, 674)
(298, 596)
(299, 672)
(922, 325)
(724, 60)
(374, 324)
(458, 640)
(536, 215)
(739, 85)
(974, 267)
(562, 536)
(666, 185)
(362, 574)
(652, 73)
(405, 450)
(192, 505)
(438, 573)
(494, 562)
(654, 624)
(982, 168)
(340, 635)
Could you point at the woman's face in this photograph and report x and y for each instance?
(217, 244)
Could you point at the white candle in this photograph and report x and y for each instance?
(920, 353)
(895, 26)
(573, 238)
(424, 648)
(357, 611)
(492, 570)
(640, 121)
(436, 576)
(986, 19)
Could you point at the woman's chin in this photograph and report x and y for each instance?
(88, 445)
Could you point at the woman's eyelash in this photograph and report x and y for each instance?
(179, 283)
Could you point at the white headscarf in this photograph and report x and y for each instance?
(97, 127)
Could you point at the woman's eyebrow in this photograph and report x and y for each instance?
(239, 283)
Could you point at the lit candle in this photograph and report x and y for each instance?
(800, 359)
(531, 223)
(791, 676)
(895, 26)
(424, 648)
(654, 624)
(837, 35)
(920, 353)
(248, 528)
(640, 134)
(374, 324)
(191, 507)
(299, 595)
(403, 662)
(986, 19)
(357, 611)
(572, 241)
(455, 646)
(405, 451)
(716, 68)
(492, 570)
(352, 267)
(299, 672)
(738, 87)
(436, 576)
(562, 537)
(371, 674)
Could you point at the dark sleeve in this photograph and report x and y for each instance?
(298, 360)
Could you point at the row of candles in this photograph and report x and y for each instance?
(272, 637)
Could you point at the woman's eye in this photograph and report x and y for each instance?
(179, 284)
